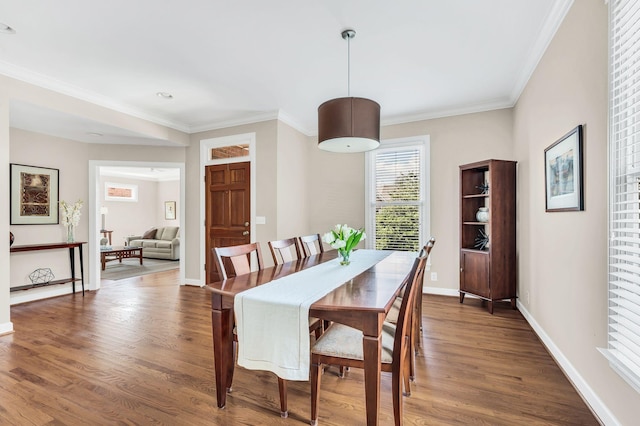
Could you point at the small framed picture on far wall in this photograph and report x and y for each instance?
(169, 210)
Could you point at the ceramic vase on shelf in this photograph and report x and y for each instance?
(71, 238)
(344, 257)
(483, 214)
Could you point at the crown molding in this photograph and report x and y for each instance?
(40, 80)
(249, 119)
(547, 32)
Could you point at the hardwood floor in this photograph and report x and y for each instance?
(139, 351)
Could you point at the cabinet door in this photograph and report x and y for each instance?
(474, 273)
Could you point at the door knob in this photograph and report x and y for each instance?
(246, 224)
(245, 233)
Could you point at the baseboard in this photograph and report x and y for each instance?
(440, 291)
(600, 410)
(197, 283)
(6, 328)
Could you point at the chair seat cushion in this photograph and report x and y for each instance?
(343, 341)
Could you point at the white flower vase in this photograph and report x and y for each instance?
(71, 237)
(344, 257)
(483, 214)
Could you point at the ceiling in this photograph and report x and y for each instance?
(228, 63)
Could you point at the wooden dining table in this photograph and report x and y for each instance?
(362, 303)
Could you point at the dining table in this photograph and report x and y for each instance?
(361, 302)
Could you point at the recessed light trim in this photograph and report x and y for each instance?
(164, 95)
(6, 29)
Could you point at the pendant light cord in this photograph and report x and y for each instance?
(349, 67)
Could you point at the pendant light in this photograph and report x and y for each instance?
(349, 124)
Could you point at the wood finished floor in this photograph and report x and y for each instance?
(139, 352)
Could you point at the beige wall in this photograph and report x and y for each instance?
(293, 197)
(563, 256)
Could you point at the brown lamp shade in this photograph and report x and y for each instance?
(349, 125)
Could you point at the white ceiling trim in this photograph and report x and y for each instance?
(547, 32)
(49, 83)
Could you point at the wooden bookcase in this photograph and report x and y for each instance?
(488, 272)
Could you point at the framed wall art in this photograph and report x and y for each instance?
(34, 195)
(169, 210)
(120, 192)
(564, 182)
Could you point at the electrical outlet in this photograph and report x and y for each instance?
(434, 276)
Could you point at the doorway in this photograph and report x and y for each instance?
(228, 200)
(123, 216)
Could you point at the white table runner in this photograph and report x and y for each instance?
(272, 320)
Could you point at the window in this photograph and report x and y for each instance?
(623, 349)
(397, 195)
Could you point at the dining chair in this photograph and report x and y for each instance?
(236, 260)
(233, 261)
(311, 244)
(342, 345)
(416, 319)
(284, 251)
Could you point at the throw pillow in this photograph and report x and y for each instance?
(150, 234)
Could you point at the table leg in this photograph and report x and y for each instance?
(81, 268)
(103, 258)
(372, 346)
(222, 323)
(72, 261)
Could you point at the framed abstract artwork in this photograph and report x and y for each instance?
(564, 188)
(34, 195)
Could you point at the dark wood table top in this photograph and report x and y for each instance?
(373, 289)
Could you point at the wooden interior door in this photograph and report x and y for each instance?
(228, 210)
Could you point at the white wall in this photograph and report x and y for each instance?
(5, 278)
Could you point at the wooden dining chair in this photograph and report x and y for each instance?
(284, 251)
(233, 261)
(311, 244)
(416, 318)
(236, 260)
(342, 345)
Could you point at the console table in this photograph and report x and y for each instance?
(72, 262)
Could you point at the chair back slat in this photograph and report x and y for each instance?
(236, 260)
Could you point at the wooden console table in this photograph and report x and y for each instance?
(72, 262)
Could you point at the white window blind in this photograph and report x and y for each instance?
(396, 181)
(623, 349)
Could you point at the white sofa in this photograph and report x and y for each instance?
(163, 244)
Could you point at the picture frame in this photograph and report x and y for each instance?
(120, 192)
(169, 210)
(34, 195)
(563, 172)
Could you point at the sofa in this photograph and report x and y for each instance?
(158, 243)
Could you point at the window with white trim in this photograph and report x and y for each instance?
(398, 194)
(623, 351)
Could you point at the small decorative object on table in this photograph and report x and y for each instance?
(70, 217)
(41, 276)
(10, 238)
(482, 240)
(344, 239)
